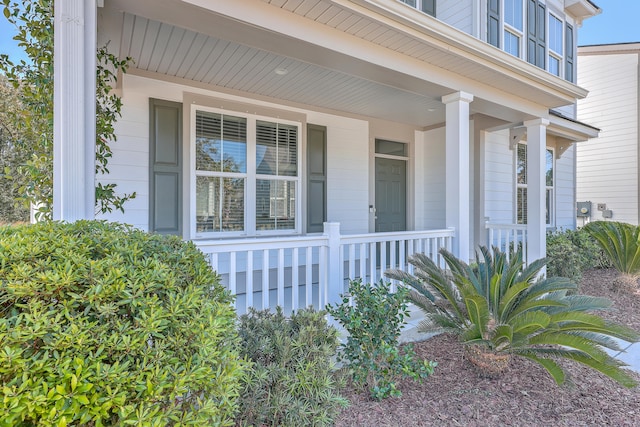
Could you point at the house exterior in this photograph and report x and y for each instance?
(300, 143)
(607, 167)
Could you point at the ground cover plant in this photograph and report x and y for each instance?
(104, 325)
(291, 381)
(373, 316)
(499, 308)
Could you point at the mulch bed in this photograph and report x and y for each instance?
(456, 395)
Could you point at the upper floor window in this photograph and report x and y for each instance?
(528, 30)
(426, 6)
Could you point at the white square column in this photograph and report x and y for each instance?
(74, 109)
(536, 189)
(457, 171)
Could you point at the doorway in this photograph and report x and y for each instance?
(390, 186)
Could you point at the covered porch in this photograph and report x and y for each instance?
(365, 73)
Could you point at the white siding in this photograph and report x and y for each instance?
(457, 13)
(433, 186)
(565, 190)
(607, 167)
(499, 178)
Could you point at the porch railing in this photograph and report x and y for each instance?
(299, 271)
(507, 236)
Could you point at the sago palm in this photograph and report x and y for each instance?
(499, 308)
(621, 244)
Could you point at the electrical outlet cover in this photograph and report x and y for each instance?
(602, 206)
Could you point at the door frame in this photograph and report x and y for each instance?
(408, 183)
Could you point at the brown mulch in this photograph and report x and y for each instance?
(456, 395)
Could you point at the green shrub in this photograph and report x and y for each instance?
(570, 252)
(500, 308)
(563, 256)
(104, 325)
(292, 381)
(374, 322)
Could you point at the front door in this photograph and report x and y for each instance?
(391, 194)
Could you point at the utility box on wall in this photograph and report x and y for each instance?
(583, 209)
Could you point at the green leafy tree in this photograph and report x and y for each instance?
(11, 210)
(499, 308)
(33, 20)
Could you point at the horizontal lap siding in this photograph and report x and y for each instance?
(499, 178)
(434, 186)
(565, 190)
(457, 13)
(607, 167)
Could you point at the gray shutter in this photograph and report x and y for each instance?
(429, 6)
(316, 178)
(536, 33)
(165, 167)
(493, 23)
(569, 54)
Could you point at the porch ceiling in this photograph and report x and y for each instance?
(377, 58)
(186, 54)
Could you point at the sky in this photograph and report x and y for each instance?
(618, 23)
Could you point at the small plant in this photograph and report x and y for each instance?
(500, 308)
(102, 325)
(621, 244)
(291, 382)
(565, 259)
(374, 322)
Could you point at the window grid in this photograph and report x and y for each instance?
(521, 185)
(245, 173)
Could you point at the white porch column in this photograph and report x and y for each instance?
(536, 189)
(457, 170)
(74, 111)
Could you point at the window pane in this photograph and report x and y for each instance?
(391, 147)
(521, 205)
(513, 13)
(275, 204)
(409, 2)
(219, 204)
(555, 34)
(511, 43)
(221, 143)
(554, 65)
(276, 149)
(521, 166)
(549, 168)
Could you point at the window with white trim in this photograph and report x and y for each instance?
(513, 27)
(521, 185)
(246, 174)
(529, 30)
(555, 45)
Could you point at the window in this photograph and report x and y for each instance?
(528, 30)
(426, 6)
(235, 194)
(521, 185)
(513, 26)
(555, 44)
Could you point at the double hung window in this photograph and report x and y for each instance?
(246, 174)
(521, 185)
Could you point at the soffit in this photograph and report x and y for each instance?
(177, 39)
